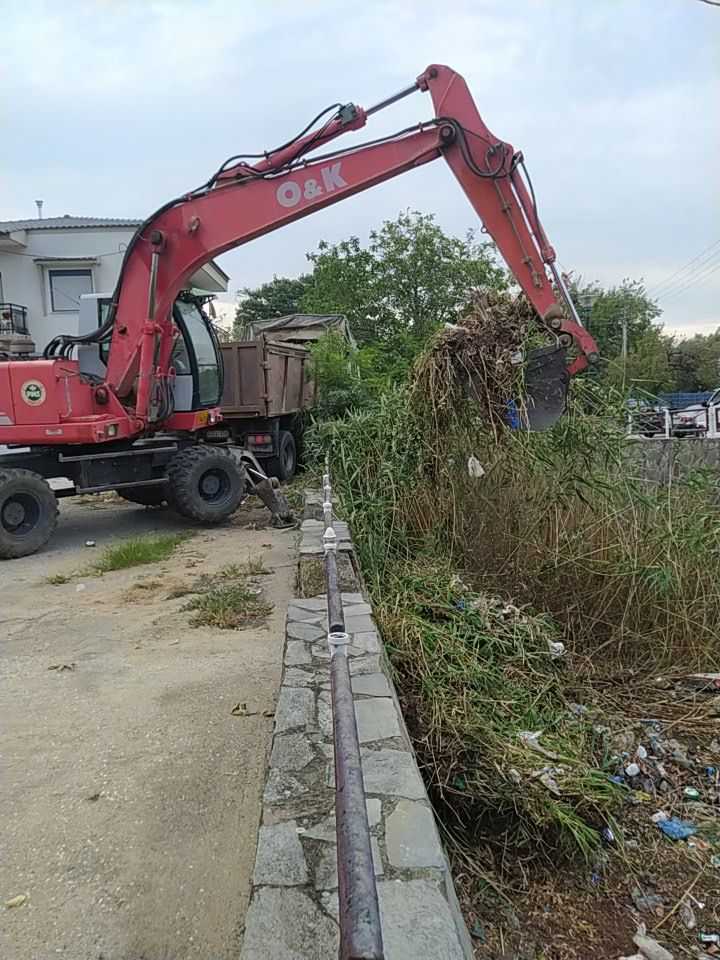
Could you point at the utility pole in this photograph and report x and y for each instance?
(624, 343)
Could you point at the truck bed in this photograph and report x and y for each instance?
(265, 378)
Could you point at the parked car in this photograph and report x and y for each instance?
(696, 419)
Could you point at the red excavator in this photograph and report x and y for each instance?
(133, 405)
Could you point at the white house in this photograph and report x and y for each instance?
(47, 264)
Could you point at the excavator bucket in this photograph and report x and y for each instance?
(546, 387)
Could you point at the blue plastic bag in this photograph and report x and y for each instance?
(677, 829)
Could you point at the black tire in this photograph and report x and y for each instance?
(28, 513)
(154, 496)
(206, 484)
(284, 465)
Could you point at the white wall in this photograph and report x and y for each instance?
(25, 282)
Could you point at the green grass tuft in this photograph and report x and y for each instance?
(140, 550)
(228, 606)
(56, 579)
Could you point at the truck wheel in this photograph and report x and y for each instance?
(28, 513)
(205, 484)
(284, 465)
(153, 496)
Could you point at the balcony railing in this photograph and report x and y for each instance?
(13, 319)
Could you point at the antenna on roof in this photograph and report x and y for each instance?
(39, 205)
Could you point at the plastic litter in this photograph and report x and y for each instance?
(547, 779)
(646, 902)
(677, 829)
(475, 468)
(641, 753)
(687, 915)
(691, 793)
(650, 948)
(632, 770)
(90, 543)
(709, 938)
(607, 835)
(715, 860)
(660, 816)
(556, 649)
(531, 739)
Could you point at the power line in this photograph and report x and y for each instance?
(697, 280)
(689, 278)
(667, 282)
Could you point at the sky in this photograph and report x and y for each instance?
(111, 107)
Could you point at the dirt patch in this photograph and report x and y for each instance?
(131, 790)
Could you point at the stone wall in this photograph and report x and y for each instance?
(294, 908)
(662, 461)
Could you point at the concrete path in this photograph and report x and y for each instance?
(130, 793)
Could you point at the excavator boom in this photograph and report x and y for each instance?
(243, 201)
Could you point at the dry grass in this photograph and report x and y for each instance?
(57, 579)
(229, 598)
(228, 606)
(477, 359)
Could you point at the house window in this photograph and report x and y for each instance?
(66, 288)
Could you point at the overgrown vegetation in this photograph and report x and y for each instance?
(139, 550)
(625, 575)
(484, 547)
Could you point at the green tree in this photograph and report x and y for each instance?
(696, 362)
(278, 297)
(409, 280)
(605, 312)
(647, 369)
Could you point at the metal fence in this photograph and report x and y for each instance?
(360, 933)
(13, 319)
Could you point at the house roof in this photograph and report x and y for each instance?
(66, 222)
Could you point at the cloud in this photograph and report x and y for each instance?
(110, 107)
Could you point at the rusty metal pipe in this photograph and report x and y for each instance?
(360, 931)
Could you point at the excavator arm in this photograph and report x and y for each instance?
(245, 200)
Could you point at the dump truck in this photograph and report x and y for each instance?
(267, 389)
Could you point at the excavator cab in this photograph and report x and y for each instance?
(196, 357)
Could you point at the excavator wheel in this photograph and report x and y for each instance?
(154, 496)
(206, 484)
(28, 513)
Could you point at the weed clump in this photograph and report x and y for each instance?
(228, 606)
(229, 598)
(139, 550)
